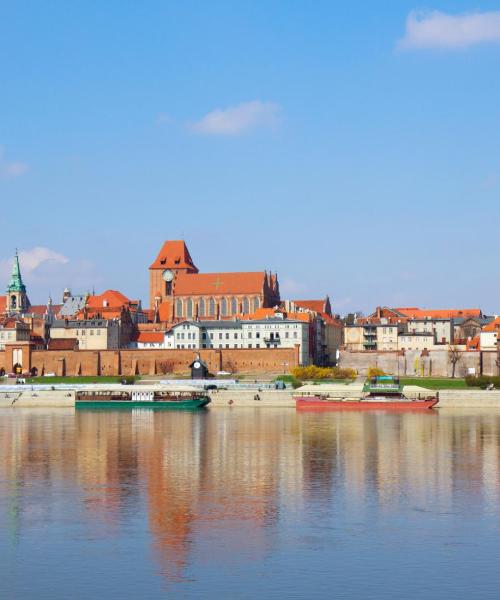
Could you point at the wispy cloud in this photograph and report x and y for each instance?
(10, 169)
(45, 270)
(31, 260)
(436, 29)
(237, 120)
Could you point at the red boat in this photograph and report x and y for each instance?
(318, 404)
(380, 393)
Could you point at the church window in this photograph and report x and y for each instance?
(178, 308)
(246, 306)
(211, 307)
(223, 307)
(256, 303)
(13, 302)
(201, 308)
(234, 306)
(189, 309)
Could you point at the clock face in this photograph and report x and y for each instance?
(167, 275)
(196, 365)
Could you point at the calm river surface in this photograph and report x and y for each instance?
(249, 503)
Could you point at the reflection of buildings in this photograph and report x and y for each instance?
(229, 475)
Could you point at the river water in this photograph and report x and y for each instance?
(249, 503)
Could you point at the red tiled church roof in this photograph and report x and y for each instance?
(174, 255)
(206, 284)
(3, 304)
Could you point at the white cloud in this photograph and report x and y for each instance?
(10, 170)
(44, 270)
(440, 30)
(31, 260)
(236, 120)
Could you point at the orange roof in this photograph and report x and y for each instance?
(110, 298)
(422, 313)
(316, 305)
(493, 326)
(265, 313)
(3, 304)
(216, 284)
(165, 311)
(145, 337)
(174, 255)
(473, 344)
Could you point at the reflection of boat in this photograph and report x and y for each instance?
(382, 392)
(140, 399)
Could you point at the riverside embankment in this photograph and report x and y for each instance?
(65, 395)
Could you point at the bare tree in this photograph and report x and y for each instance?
(454, 358)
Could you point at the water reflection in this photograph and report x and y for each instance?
(236, 475)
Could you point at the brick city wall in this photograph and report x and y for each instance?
(152, 362)
(436, 364)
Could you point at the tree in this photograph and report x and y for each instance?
(454, 358)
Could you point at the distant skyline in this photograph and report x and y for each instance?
(354, 150)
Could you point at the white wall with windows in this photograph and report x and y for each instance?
(268, 333)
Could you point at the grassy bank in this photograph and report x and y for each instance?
(435, 383)
(54, 380)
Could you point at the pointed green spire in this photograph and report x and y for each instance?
(16, 281)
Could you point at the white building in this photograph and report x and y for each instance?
(489, 335)
(266, 333)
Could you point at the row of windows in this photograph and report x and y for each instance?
(209, 308)
(204, 336)
(227, 346)
(7, 335)
(91, 332)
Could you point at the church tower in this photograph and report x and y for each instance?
(17, 299)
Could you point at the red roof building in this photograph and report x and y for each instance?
(178, 291)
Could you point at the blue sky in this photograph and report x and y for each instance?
(305, 138)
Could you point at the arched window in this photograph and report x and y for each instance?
(256, 303)
(234, 306)
(223, 307)
(211, 307)
(246, 306)
(13, 302)
(178, 308)
(201, 307)
(189, 309)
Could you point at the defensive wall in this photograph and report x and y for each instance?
(414, 363)
(148, 362)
